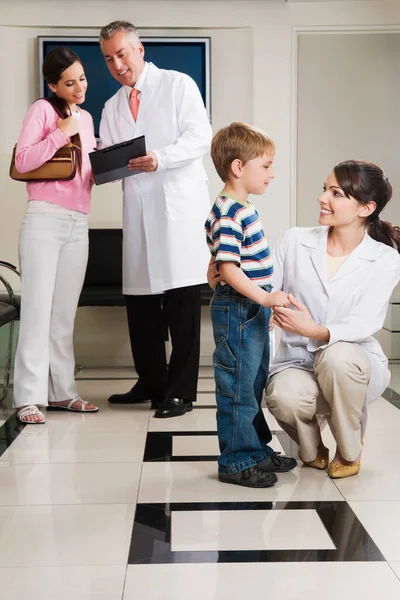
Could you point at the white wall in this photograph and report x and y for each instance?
(253, 60)
(348, 107)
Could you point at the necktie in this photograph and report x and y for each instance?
(134, 103)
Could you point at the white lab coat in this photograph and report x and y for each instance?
(352, 304)
(164, 212)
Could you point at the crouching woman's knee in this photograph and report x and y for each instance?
(284, 402)
(342, 359)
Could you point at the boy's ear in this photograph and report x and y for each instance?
(236, 167)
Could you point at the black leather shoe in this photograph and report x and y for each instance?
(155, 402)
(277, 463)
(130, 397)
(253, 477)
(173, 407)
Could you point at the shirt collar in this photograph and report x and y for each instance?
(140, 82)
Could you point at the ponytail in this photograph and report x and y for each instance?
(366, 182)
(385, 232)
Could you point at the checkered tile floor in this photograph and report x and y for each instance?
(120, 506)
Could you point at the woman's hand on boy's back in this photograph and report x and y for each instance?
(213, 276)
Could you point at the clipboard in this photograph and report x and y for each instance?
(111, 163)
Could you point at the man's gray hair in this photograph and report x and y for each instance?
(116, 26)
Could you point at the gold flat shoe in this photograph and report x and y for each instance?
(320, 462)
(337, 470)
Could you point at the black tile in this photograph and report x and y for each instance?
(9, 432)
(159, 446)
(392, 397)
(151, 536)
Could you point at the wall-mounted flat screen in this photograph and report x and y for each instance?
(190, 55)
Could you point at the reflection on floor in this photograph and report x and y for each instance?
(120, 506)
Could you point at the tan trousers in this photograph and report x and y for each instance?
(337, 389)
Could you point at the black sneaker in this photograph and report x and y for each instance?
(253, 477)
(276, 463)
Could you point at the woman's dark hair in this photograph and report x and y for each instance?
(54, 63)
(366, 182)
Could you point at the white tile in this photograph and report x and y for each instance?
(396, 568)
(206, 385)
(195, 445)
(110, 419)
(206, 372)
(383, 415)
(63, 583)
(379, 477)
(205, 445)
(42, 536)
(206, 399)
(248, 530)
(191, 481)
(36, 445)
(382, 521)
(98, 391)
(108, 373)
(283, 581)
(81, 483)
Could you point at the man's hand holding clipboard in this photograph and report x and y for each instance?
(144, 164)
(112, 163)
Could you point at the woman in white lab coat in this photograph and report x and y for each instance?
(339, 278)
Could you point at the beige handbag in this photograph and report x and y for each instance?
(61, 167)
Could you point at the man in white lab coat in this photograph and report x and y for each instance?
(165, 205)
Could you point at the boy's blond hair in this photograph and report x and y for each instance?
(238, 141)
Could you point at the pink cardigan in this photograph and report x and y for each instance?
(40, 138)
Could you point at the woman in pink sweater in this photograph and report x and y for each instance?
(53, 244)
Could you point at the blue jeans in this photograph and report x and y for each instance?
(241, 362)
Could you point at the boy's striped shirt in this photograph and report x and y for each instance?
(235, 234)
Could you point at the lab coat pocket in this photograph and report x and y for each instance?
(185, 201)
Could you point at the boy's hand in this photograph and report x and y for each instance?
(276, 299)
(213, 276)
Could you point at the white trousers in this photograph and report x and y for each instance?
(336, 389)
(53, 253)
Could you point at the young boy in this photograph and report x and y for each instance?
(241, 308)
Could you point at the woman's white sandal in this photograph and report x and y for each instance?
(69, 406)
(27, 411)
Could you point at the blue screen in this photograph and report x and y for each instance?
(184, 56)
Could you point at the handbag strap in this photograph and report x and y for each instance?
(57, 110)
(59, 113)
